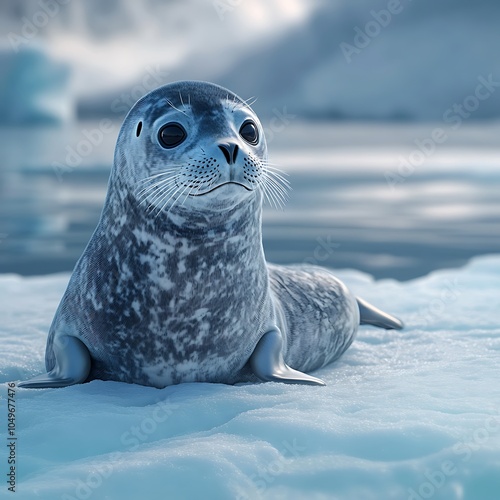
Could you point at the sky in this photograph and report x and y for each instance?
(375, 59)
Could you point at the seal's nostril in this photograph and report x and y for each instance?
(225, 150)
(230, 151)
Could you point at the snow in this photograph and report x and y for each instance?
(411, 414)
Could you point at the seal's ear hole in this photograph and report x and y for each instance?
(138, 130)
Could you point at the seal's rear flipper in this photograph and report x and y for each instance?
(72, 365)
(268, 364)
(370, 315)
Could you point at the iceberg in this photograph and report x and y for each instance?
(34, 88)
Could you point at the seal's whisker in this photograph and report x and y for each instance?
(272, 166)
(278, 188)
(247, 104)
(278, 174)
(161, 174)
(279, 178)
(186, 105)
(275, 193)
(169, 102)
(267, 162)
(171, 195)
(186, 188)
(163, 169)
(177, 198)
(230, 103)
(214, 180)
(262, 187)
(268, 192)
(282, 184)
(283, 194)
(235, 103)
(187, 195)
(161, 189)
(144, 193)
(276, 201)
(199, 188)
(154, 185)
(168, 196)
(157, 182)
(273, 202)
(153, 203)
(157, 187)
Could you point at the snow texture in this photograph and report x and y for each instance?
(411, 414)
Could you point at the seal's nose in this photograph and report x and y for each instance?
(230, 150)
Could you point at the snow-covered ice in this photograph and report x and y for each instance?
(411, 414)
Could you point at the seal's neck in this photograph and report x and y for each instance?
(242, 221)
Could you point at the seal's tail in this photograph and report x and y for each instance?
(370, 315)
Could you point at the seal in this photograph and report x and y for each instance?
(174, 286)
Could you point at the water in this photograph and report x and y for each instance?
(342, 212)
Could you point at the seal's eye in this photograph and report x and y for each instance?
(249, 132)
(171, 135)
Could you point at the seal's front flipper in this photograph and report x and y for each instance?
(268, 364)
(370, 315)
(72, 365)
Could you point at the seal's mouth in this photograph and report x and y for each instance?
(220, 185)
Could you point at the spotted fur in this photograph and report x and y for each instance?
(173, 285)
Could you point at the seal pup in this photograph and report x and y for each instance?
(174, 286)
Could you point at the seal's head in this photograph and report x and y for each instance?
(191, 144)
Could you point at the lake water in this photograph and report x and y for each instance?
(342, 212)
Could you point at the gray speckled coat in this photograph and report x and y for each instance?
(186, 296)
